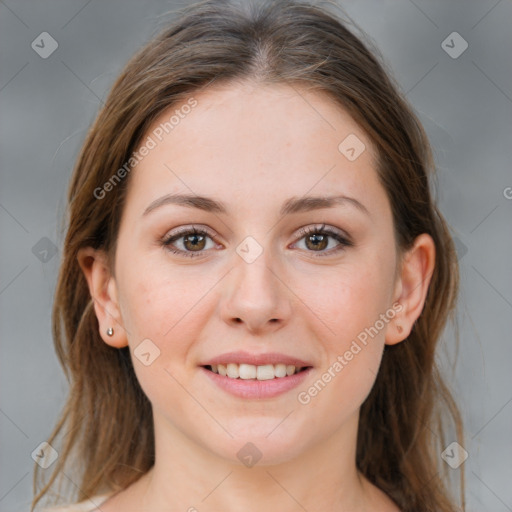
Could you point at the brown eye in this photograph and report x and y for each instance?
(188, 242)
(318, 239)
(317, 242)
(194, 242)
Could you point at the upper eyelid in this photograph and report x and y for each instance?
(182, 231)
(330, 230)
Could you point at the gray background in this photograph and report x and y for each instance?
(464, 103)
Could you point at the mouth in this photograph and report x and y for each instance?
(264, 372)
(256, 376)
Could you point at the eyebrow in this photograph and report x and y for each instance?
(291, 206)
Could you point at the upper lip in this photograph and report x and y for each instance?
(256, 359)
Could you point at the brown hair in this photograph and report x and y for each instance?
(107, 418)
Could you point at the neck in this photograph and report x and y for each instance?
(188, 477)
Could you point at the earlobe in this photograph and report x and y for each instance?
(412, 287)
(103, 290)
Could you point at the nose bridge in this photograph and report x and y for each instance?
(256, 296)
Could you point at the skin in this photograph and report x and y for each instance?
(253, 147)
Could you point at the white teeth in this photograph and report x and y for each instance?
(247, 371)
(250, 371)
(265, 372)
(280, 370)
(233, 371)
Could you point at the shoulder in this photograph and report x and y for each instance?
(90, 505)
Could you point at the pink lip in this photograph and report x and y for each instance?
(241, 357)
(252, 388)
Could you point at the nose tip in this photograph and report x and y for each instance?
(257, 299)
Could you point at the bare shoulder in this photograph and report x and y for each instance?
(124, 501)
(129, 499)
(90, 505)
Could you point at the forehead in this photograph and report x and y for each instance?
(257, 141)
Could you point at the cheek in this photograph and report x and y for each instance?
(158, 300)
(170, 314)
(171, 310)
(354, 304)
(347, 301)
(353, 352)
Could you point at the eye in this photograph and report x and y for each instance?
(191, 242)
(317, 239)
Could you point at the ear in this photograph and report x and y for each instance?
(103, 289)
(411, 287)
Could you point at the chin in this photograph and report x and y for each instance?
(255, 446)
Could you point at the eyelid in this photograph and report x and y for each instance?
(187, 230)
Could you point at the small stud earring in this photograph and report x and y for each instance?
(399, 328)
(110, 331)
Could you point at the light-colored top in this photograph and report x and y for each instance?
(90, 505)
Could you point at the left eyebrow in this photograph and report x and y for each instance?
(188, 200)
(291, 206)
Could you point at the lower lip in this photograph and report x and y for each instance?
(252, 388)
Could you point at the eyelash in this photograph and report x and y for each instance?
(303, 232)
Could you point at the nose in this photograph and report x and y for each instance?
(257, 298)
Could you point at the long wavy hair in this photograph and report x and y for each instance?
(105, 429)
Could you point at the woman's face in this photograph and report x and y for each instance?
(255, 283)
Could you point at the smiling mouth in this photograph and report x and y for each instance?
(253, 372)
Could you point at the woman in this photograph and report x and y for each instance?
(254, 279)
